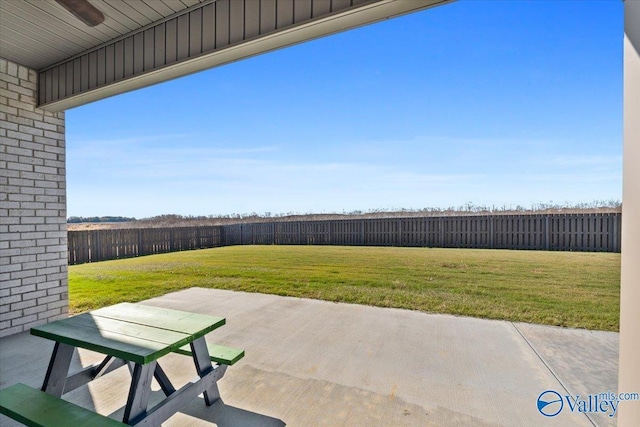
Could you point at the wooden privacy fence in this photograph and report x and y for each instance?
(102, 245)
(564, 232)
(555, 232)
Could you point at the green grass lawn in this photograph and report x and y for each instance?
(570, 289)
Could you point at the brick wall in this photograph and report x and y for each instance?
(33, 230)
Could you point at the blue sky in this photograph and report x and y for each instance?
(490, 102)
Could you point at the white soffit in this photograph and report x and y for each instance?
(38, 33)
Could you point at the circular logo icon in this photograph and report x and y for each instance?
(550, 403)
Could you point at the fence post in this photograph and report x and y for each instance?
(547, 232)
(615, 228)
(99, 246)
(491, 231)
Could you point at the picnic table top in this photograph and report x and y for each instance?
(133, 332)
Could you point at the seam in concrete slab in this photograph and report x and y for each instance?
(544, 362)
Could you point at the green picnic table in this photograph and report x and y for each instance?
(137, 336)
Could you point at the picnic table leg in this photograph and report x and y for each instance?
(160, 376)
(58, 369)
(163, 381)
(138, 399)
(203, 366)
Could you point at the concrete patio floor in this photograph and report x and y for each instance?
(315, 363)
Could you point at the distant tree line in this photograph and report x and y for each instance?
(173, 220)
(466, 209)
(81, 219)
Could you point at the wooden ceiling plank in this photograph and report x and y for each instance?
(20, 26)
(13, 48)
(112, 13)
(35, 18)
(145, 9)
(100, 32)
(10, 43)
(130, 11)
(189, 3)
(160, 7)
(175, 5)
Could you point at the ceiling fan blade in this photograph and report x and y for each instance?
(84, 11)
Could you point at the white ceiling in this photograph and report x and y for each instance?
(39, 33)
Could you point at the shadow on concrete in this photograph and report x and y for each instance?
(24, 359)
(197, 413)
(224, 415)
(220, 414)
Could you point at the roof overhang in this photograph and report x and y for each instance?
(206, 34)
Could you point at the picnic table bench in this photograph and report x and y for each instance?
(128, 334)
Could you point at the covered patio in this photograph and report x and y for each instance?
(318, 363)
